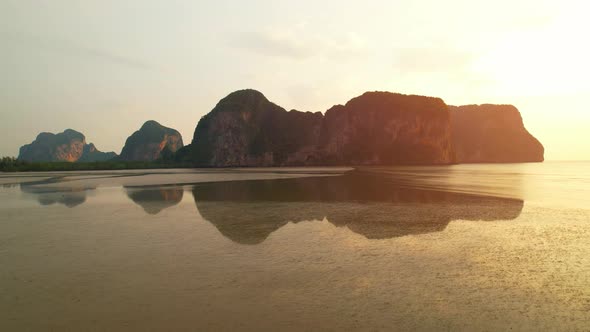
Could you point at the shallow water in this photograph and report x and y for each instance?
(465, 247)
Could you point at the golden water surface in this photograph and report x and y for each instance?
(466, 247)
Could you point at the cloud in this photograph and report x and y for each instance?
(275, 44)
(79, 50)
(299, 42)
(106, 56)
(432, 60)
(442, 71)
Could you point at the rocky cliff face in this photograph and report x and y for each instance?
(492, 133)
(68, 146)
(377, 128)
(151, 142)
(382, 128)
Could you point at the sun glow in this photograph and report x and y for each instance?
(551, 59)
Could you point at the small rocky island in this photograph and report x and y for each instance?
(151, 142)
(245, 129)
(68, 146)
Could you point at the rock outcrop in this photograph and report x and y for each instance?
(492, 134)
(151, 142)
(69, 146)
(377, 128)
(380, 128)
(91, 153)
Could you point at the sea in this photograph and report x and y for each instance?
(481, 247)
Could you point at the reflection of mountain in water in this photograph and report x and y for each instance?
(70, 197)
(154, 200)
(374, 206)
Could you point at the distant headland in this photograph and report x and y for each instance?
(245, 129)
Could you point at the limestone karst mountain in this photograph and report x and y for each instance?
(69, 146)
(376, 128)
(245, 129)
(152, 141)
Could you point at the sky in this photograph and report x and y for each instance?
(105, 67)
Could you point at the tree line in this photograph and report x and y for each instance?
(12, 164)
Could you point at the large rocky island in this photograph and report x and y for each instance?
(68, 146)
(376, 128)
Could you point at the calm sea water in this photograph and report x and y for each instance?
(465, 247)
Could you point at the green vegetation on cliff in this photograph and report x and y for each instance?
(11, 164)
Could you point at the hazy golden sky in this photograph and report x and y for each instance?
(104, 67)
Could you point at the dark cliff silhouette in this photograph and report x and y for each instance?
(492, 133)
(377, 128)
(151, 142)
(92, 154)
(69, 146)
